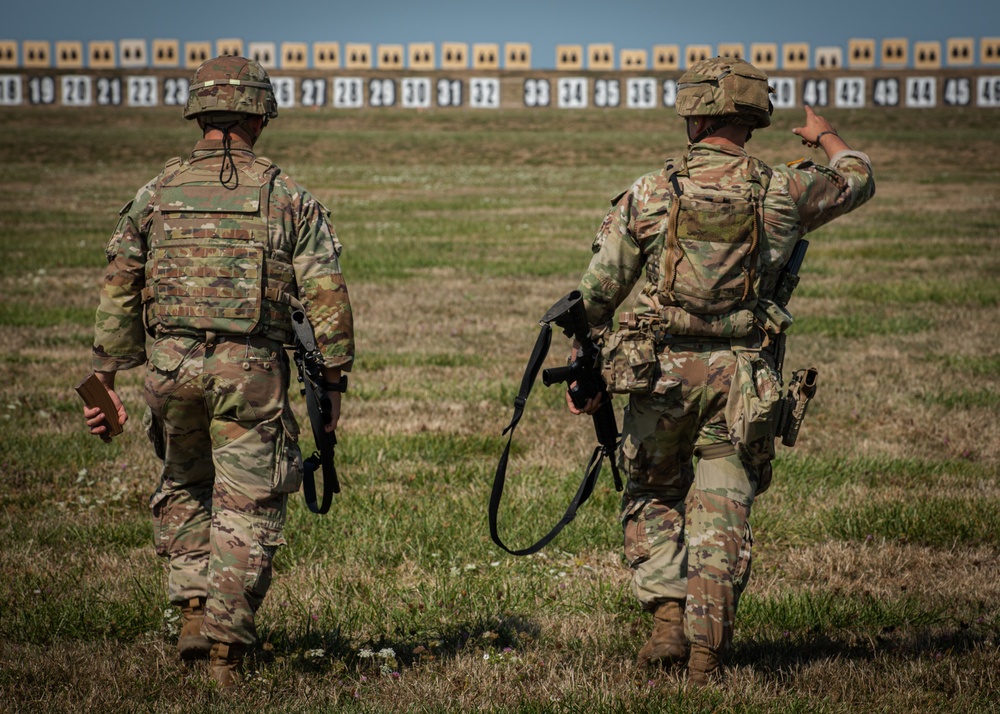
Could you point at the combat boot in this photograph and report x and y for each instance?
(667, 645)
(191, 644)
(225, 664)
(703, 667)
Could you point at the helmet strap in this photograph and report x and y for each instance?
(227, 154)
(705, 133)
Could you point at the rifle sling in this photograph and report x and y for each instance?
(323, 456)
(538, 355)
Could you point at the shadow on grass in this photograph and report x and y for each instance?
(782, 654)
(483, 634)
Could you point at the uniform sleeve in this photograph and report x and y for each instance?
(822, 193)
(616, 264)
(119, 335)
(321, 284)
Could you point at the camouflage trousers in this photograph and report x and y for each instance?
(685, 518)
(219, 419)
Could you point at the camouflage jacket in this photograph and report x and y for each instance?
(299, 226)
(799, 199)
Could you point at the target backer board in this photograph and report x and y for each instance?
(517, 55)
(421, 55)
(666, 57)
(860, 53)
(894, 53)
(69, 55)
(961, 51)
(166, 53)
(195, 53)
(600, 56)
(697, 53)
(264, 53)
(326, 55)
(926, 55)
(294, 55)
(633, 60)
(486, 56)
(795, 56)
(132, 54)
(229, 47)
(764, 55)
(36, 54)
(828, 58)
(569, 57)
(731, 49)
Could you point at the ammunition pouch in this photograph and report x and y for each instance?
(754, 406)
(628, 361)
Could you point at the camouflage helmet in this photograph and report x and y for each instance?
(725, 87)
(231, 85)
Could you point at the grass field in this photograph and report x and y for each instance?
(876, 582)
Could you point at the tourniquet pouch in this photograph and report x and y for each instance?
(753, 406)
(628, 362)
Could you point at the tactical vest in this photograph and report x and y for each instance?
(706, 277)
(211, 266)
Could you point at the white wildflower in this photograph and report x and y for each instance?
(365, 653)
(387, 653)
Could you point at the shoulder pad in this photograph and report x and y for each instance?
(173, 163)
(619, 197)
(126, 208)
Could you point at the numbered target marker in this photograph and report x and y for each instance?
(142, 92)
(10, 90)
(988, 91)
(42, 90)
(571, 93)
(108, 91)
(348, 92)
(381, 93)
(484, 93)
(816, 92)
(958, 91)
(537, 93)
(784, 92)
(669, 93)
(850, 92)
(76, 90)
(449, 92)
(312, 92)
(607, 92)
(640, 93)
(885, 92)
(175, 91)
(921, 92)
(416, 92)
(284, 91)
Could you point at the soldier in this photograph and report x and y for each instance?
(713, 231)
(207, 260)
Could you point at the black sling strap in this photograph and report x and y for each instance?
(538, 355)
(313, 387)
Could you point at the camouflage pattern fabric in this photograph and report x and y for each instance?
(218, 414)
(230, 459)
(685, 518)
(231, 85)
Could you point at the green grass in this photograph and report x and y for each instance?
(875, 563)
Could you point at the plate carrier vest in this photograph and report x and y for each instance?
(212, 267)
(706, 276)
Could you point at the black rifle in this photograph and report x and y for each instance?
(788, 280)
(309, 362)
(583, 376)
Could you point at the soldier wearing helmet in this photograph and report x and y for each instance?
(203, 268)
(699, 354)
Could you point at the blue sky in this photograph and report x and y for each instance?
(627, 24)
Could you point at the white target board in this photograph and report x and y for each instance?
(850, 92)
(284, 91)
(348, 92)
(641, 93)
(10, 90)
(607, 93)
(312, 92)
(416, 92)
(669, 93)
(571, 93)
(484, 93)
(449, 92)
(142, 92)
(988, 91)
(921, 92)
(784, 92)
(537, 93)
(77, 90)
(175, 91)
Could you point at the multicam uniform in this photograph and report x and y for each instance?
(702, 556)
(209, 269)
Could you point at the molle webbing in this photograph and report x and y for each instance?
(211, 267)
